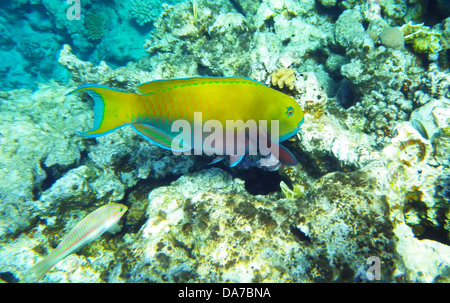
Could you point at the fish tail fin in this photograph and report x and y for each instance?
(41, 268)
(110, 109)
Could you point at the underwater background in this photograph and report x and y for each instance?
(372, 77)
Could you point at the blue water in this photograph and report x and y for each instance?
(33, 32)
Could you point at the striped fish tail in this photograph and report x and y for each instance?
(41, 268)
(110, 109)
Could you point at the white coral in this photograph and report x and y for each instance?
(226, 22)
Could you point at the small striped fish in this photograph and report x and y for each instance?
(87, 230)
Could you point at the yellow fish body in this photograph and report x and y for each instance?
(160, 103)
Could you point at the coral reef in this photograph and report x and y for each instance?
(350, 32)
(205, 44)
(41, 155)
(32, 149)
(372, 178)
(86, 72)
(245, 233)
(226, 21)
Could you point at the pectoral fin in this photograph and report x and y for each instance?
(216, 159)
(157, 136)
(286, 157)
(235, 159)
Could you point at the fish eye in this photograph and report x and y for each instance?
(289, 111)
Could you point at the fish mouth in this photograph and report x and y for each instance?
(300, 123)
(293, 133)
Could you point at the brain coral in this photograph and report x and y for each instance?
(392, 37)
(96, 26)
(144, 11)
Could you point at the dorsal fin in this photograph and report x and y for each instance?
(159, 85)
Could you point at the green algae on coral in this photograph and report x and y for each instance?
(423, 39)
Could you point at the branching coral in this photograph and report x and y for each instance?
(284, 77)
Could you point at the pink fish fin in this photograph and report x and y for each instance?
(286, 157)
(217, 159)
(235, 159)
(263, 131)
(251, 145)
(158, 137)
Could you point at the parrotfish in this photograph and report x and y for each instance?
(155, 107)
(88, 229)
